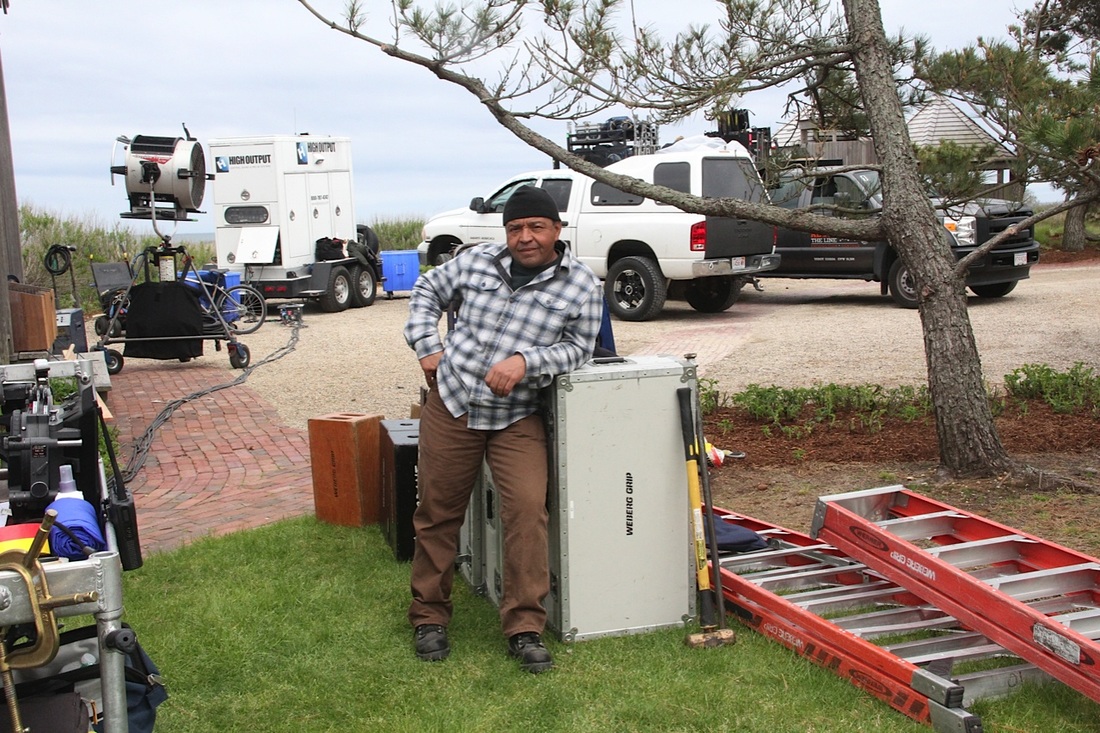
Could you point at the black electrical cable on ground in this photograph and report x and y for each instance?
(142, 444)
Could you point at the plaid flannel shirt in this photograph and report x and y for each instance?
(552, 321)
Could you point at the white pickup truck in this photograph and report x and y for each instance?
(644, 251)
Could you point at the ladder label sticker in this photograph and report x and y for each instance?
(875, 687)
(869, 539)
(913, 565)
(1050, 639)
(783, 636)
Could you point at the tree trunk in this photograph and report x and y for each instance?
(1073, 234)
(968, 440)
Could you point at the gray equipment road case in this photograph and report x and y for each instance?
(620, 529)
(492, 536)
(471, 544)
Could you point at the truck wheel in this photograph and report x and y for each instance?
(994, 290)
(903, 288)
(441, 250)
(337, 296)
(713, 294)
(635, 289)
(363, 286)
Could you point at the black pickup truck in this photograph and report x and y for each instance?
(859, 194)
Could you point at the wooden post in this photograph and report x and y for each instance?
(11, 258)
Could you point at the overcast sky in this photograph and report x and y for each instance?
(79, 73)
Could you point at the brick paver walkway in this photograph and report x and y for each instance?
(221, 463)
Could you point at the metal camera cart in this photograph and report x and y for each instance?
(36, 591)
(167, 317)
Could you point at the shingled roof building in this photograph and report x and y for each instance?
(936, 122)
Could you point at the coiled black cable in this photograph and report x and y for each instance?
(58, 259)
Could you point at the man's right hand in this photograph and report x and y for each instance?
(430, 364)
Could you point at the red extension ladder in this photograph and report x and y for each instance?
(1035, 598)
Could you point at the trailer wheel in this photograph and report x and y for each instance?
(363, 286)
(239, 356)
(366, 236)
(337, 296)
(113, 360)
(713, 294)
(635, 289)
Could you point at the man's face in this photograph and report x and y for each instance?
(531, 240)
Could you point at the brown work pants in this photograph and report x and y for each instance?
(450, 458)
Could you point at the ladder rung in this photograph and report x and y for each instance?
(867, 629)
(922, 525)
(999, 682)
(838, 599)
(953, 642)
(796, 577)
(1085, 623)
(980, 552)
(1050, 582)
(766, 556)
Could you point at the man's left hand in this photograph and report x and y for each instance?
(505, 375)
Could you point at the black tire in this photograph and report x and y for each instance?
(239, 356)
(337, 296)
(114, 361)
(366, 236)
(364, 286)
(635, 289)
(439, 251)
(713, 294)
(903, 288)
(104, 324)
(994, 290)
(244, 309)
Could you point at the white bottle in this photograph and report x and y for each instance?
(66, 486)
(78, 515)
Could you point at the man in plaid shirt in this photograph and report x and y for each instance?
(529, 311)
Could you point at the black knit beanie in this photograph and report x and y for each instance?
(529, 201)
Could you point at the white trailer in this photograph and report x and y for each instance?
(274, 197)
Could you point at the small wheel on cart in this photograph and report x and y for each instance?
(113, 360)
(102, 324)
(239, 356)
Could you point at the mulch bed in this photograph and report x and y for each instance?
(1034, 429)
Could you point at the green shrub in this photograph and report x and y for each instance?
(873, 403)
(398, 233)
(94, 241)
(1069, 391)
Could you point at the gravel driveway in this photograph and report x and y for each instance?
(795, 333)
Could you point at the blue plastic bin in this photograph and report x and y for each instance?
(211, 278)
(400, 268)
